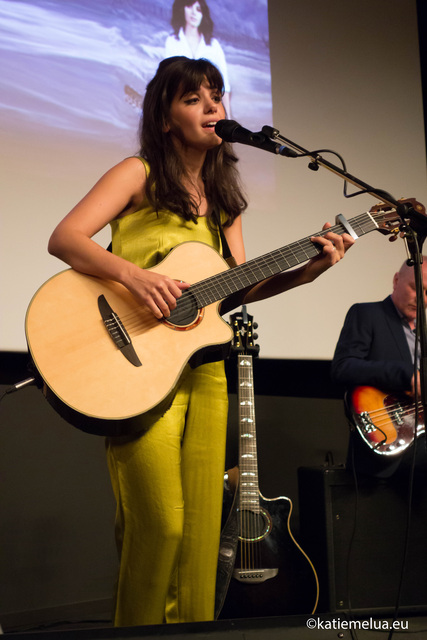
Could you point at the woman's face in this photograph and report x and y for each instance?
(193, 117)
(193, 15)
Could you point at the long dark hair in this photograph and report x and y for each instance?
(164, 186)
(178, 18)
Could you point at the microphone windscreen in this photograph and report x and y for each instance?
(225, 129)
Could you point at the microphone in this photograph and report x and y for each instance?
(232, 131)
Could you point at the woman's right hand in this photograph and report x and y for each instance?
(118, 192)
(157, 292)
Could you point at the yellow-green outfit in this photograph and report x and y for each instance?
(168, 482)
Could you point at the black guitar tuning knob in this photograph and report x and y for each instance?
(255, 336)
(255, 325)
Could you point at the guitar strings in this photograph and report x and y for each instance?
(397, 407)
(382, 419)
(221, 285)
(250, 271)
(250, 551)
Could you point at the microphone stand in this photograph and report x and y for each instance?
(416, 259)
(413, 227)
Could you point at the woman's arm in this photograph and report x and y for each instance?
(119, 192)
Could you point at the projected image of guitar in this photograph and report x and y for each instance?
(271, 574)
(133, 97)
(385, 422)
(104, 358)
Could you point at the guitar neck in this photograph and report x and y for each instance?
(228, 282)
(248, 460)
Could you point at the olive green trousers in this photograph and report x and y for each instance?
(168, 485)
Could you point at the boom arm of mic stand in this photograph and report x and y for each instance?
(379, 194)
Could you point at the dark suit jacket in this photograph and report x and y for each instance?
(372, 350)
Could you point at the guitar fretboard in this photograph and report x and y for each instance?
(225, 283)
(248, 461)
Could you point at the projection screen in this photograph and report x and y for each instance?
(331, 75)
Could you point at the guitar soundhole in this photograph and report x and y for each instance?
(186, 314)
(254, 526)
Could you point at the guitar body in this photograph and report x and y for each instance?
(87, 378)
(385, 422)
(292, 590)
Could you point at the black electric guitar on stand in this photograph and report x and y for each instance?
(262, 571)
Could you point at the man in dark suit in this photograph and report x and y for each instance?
(383, 493)
(376, 348)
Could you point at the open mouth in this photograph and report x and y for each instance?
(209, 125)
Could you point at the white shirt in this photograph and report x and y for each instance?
(213, 52)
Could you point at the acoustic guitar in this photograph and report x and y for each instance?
(262, 570)
(104, 359)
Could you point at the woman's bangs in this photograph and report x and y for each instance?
(199, 72)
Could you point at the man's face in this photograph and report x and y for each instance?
(404, 294)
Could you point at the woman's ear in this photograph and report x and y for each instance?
(166, 127)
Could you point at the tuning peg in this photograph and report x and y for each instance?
(255, 325)
(255, 336)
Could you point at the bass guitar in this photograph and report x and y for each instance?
(271, 575)
(105, 359)
(385, 422)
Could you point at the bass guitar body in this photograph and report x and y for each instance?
(385, 422)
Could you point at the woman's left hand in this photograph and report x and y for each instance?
(334, 247)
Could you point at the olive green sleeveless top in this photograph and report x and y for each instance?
(145, 237)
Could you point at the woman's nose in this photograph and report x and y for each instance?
(211, 105)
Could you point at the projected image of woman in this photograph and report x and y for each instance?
(192, 37)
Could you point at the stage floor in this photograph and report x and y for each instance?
(322, 626)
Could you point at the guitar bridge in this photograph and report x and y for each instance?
(397, 415)
(366, 423)
(117, 331)
(254, 576)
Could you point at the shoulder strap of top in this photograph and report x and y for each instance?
(147, 171)
(226, 253)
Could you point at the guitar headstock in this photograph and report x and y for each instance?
(390, 219)
(243, 333)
